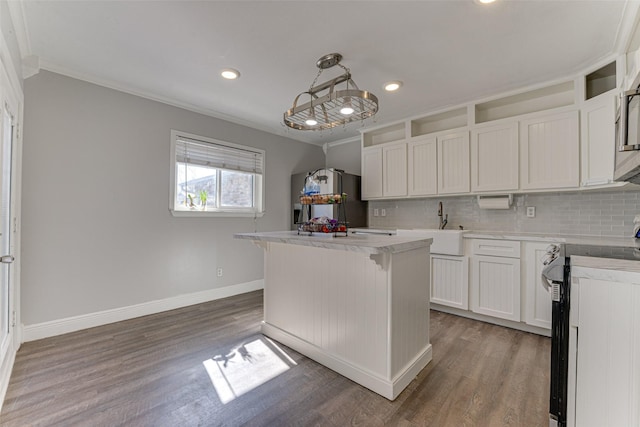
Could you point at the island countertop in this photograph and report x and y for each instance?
(365, 243)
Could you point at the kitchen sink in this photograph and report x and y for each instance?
(445, 242)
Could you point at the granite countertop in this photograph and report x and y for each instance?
(554, 238)
(613, 270)
(365, 243)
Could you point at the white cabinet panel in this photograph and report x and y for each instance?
(371, 173)
(494, 158)
(598, 145)
(537, 299)
(450, 281)
(394, 170)
(608, 352)
(491, 247)
(550, 151)
(453, 163)
(495, 287)
(423, 170)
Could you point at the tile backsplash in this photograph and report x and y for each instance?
(592, 213)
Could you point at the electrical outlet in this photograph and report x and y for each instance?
(531, 211)
(219, 271)
(383, 212)
(376, 212)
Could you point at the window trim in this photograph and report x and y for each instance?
(259, 196)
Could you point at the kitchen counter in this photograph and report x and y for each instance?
(605, 268)
(358, 304)
(554, 238)
(365, 243)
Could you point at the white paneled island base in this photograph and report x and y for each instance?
(358, 305)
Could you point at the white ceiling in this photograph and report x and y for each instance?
(446, 52)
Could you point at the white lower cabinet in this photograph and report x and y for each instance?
(495, 280)
(604, 349)
(537, 302)
(450, 281)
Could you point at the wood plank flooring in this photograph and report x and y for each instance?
(149, 372)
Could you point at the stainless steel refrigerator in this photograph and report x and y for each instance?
(329, 180)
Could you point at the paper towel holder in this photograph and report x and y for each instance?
(500, 201)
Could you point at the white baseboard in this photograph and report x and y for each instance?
(5, 373)
(84, 321)
(386, 387)
(494, 320)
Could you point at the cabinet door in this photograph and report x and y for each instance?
(494, 158)
(371, 173)
(550, 151)
(394, 170)
(598, 140)
(453, 163)
(450, 281)
(537, 299)
(423, 171)
(495, 287)
(607, 390)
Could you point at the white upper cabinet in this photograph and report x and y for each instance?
(423, 167)
(598, 134)
(453, 163)
(371, 173)
(550, 151)
(494, 158)
(394, 170)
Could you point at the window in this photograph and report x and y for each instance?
(215, 178)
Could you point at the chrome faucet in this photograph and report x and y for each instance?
(443, 221)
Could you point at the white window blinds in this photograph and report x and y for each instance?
(219, 156)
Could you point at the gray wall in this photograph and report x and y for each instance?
(96, 230)
(345, 156)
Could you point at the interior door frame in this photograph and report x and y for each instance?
(12, 95)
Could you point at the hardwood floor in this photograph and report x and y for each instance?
(160, 370)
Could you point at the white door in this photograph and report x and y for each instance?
(537, 299)
(423, 167)
(394, 170)
(453, 163)
(450, 281)
(550, 151)
(495, 287)
(371, 173)
(494, 158)
(8, 125)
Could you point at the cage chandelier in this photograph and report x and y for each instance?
(334, 107)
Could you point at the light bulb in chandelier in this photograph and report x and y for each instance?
(347, 109)
(311, 120)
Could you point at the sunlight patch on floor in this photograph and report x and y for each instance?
(246, 367)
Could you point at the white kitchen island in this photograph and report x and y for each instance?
(358, 304)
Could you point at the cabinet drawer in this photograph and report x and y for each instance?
(503, 248)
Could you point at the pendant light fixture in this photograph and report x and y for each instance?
(329, 106)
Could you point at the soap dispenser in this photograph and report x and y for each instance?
(636, 227)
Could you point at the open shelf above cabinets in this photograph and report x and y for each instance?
(533, 101)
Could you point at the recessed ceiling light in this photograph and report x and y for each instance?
(392, 86)
(484, 1)
(230, 73)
